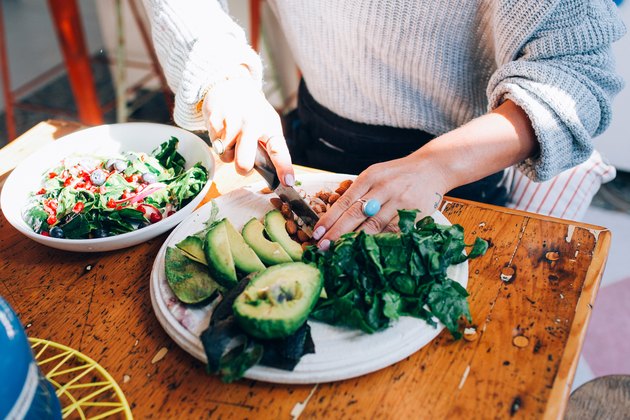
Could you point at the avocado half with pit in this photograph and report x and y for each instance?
(278, 301)
(271, 253)
(275, 226)
(188, 280)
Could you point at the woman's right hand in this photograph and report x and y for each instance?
(238, 114)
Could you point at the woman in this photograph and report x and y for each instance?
(421, 97)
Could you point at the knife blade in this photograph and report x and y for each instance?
(264, 166)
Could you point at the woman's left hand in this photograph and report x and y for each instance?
(408, 183)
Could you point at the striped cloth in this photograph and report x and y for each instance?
(567, 195)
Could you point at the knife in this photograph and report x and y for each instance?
(264, 166)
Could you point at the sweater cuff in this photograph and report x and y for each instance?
(203, 69)
(558, 149)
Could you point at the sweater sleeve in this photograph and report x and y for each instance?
(198, 45)
(560, 70)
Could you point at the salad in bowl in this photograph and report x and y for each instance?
(108, 187)
(95, 197)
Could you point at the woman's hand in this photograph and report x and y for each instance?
(407, 183)
(239, 115)
(475, 150)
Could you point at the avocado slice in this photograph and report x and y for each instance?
(269, 252)
(188, 279)
(275, 228)
(219, 255)
(245, 258)
(277, 301)
(193, 249)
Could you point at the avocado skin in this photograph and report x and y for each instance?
(280, 320)
(271, 253)
(245, 259)
(275, 227)
(188, 279)
(219, 256)
(193, 249)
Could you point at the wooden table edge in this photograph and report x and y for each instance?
(523, 213)
(561, 389)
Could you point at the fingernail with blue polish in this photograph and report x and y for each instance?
(324, 245)
(289, 179)
(319, 232)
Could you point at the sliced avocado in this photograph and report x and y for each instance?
(219, 255)
(277, 301)
(244, 256)
(188, 279)
(193, 249)
(270, 253)
(275, 228)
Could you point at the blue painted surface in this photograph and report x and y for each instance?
(24, 392)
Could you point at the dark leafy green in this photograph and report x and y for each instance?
(231, 351)
(168, 157)
(372, 280)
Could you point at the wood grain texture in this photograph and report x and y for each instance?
(100, 305)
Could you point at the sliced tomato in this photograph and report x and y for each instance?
(52, 175)
(51, 220)
(150, 212)
(78, 208)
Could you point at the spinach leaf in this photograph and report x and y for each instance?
(447, 301)
(372, 280)
(168, 157)
(77, 227)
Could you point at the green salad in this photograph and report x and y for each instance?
(87, 197)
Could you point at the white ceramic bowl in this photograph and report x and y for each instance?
(104, 140)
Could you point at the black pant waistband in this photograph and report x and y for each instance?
(355, 137)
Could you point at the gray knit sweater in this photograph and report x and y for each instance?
(426, 64)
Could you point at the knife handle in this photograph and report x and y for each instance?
(264, 166)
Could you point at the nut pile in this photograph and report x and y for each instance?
(320, 203)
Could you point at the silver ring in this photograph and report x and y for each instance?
(218, 147)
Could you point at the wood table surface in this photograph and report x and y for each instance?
(106, 313)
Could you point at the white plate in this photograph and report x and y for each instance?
(104, 140)
(340, 353)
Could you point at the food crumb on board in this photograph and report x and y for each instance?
(470, 334)
(126, 378)
(136, 343)
(464, 377)
(552, 256)
(507, 273)
(299, 407)
(520, 341)
(29, 325)
(159, 355)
